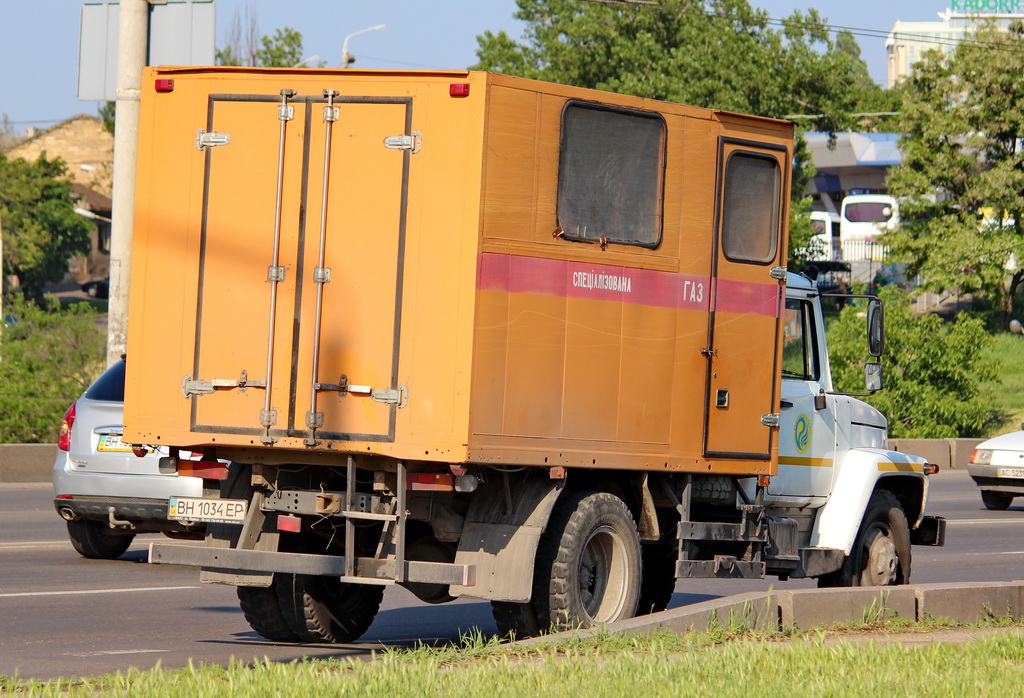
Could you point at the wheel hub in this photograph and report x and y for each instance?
(882, 560)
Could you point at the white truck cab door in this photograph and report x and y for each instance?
(807, 430)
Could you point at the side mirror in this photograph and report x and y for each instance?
(873, 377)
(876, 327)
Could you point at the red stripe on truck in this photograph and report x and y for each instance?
(567, 279)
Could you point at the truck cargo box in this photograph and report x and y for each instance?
(456, 267)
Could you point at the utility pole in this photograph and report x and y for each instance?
(133, 37)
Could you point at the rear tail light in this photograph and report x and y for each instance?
(64, 442)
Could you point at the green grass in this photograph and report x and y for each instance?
(662, 665)
(1007, 395)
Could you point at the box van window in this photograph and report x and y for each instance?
(610, 175)
(750, 208)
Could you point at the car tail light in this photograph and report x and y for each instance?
(64, 442)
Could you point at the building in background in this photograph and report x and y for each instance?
(87, 148)
(909, 41)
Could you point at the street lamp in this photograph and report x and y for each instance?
(86, 213)
(346, 58)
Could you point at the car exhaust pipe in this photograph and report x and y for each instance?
(67, 514)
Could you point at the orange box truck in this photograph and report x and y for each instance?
(489, 337)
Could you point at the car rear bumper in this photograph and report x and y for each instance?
(145, 515)
(987, 477)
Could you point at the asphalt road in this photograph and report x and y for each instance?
(63, 615)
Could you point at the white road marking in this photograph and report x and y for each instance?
(103, 653)
(92, 591)
(950, 522)
(34, 545)
(1002, 552)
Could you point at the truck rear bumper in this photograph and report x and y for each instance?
(368, 570)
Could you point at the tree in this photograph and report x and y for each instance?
(717, 53)
(40, 227)
(282, 50)
(961, 178)
(933, 371)
(48, 357)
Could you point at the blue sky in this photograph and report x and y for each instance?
(39, 53)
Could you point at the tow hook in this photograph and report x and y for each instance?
(117, 523)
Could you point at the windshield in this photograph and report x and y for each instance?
(869, 212)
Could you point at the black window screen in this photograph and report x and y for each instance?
(750, 208)
(799, 358)
(610, 175)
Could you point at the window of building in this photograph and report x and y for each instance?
(750, 207)
(610, 175)
(799, 357)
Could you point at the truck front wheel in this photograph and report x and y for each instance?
(881, 552)
(325, 609)
(588, 563)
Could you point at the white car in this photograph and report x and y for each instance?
(105, 492)
(997, 467)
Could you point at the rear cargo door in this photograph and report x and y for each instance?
(743, 342)
(349, 312)
(300, 277)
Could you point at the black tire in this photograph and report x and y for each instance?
(262, 611)
(97, 541)
(588, 568)
(659, 578)
(881, 551)
(324, 609)
(996, 501)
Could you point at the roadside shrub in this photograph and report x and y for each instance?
(48, 356)
(934, 371)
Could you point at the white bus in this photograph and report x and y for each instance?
(862, 219)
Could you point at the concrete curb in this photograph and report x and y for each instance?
(27, 462)
(807, 608)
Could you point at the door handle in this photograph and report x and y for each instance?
(785, 403)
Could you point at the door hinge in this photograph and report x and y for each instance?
(770, 420)
(210, 140)
(778, 273)
(413, 142)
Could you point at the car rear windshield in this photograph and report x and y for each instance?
(109, 386)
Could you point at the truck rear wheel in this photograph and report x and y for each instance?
(588, 567)
(881, 551)
(262, 611)
(325, 609)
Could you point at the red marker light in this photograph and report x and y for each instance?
(289, 523)
(459, 89)
(164, 85)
